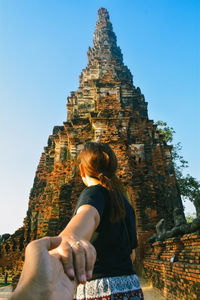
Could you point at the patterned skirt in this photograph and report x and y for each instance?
(121, 287)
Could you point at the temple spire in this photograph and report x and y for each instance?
(106, 80)
(104, 30)
(104, 40)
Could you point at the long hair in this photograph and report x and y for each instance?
(99, 161)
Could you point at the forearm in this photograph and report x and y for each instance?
(82, 225)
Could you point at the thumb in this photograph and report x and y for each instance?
(51, 242)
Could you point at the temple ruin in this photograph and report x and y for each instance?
(107, 107)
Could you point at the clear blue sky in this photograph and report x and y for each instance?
(43, 45)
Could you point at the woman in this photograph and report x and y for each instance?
(104, 217)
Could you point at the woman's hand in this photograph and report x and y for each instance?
(75, 251)
(78, 258)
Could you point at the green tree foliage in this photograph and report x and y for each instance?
(189, 186)
(190, 217)
(166, 131)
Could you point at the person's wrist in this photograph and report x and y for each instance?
(30, 291)
(70, 238)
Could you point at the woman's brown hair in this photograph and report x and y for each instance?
(99, 161)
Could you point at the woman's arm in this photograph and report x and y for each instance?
(76, 234)
(82, 225)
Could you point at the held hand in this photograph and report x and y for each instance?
(78, 258)
(43, 276)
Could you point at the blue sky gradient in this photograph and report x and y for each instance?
(43, 46)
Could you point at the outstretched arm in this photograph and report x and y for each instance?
(83, 224)
(77, 234)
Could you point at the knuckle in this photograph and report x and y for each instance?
(88, 249)
(65, 254)
(31, 245)
(79, 258)
(79, 249)
(80, 269)
(66, 247)
(92, 251)
(67, 262)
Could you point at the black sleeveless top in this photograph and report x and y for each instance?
(113, 241)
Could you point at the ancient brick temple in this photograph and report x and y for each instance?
(106, 107)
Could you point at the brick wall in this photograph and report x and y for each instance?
(173, 266)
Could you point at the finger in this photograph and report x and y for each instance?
(90, 256)
(48, 243)
(79, 262)
(65, 252)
